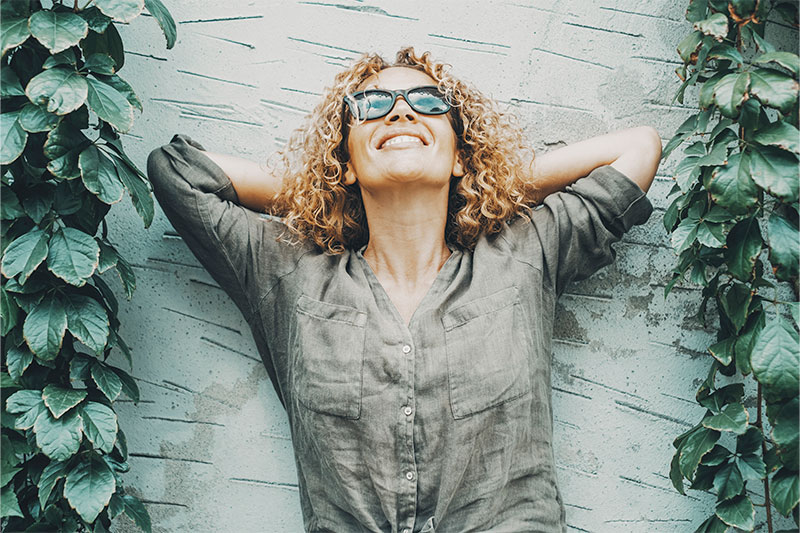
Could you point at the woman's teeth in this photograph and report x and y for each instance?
(402, 139)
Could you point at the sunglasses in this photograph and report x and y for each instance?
(377, 103)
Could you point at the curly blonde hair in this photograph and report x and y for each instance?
(319, 207)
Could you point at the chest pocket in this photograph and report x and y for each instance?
(488, 343)
(329, 357)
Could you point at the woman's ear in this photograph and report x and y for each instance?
(349, 175)
(458, 167)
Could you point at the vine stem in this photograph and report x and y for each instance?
(767, 502)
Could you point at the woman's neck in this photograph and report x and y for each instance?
(406, 246)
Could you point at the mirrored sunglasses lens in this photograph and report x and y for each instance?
(373, 104)
(428, 100)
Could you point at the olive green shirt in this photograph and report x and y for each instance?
(442, 425)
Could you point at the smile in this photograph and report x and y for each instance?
(402, 140)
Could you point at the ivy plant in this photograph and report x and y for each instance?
(734, 226)
(63, 165)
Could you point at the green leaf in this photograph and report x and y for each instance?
(50, 475)
(99, 425)
(13, 32)
(129, 386)
(722, 351)
(744, 246)
(731, 185)
(746, 340)
(712, 525)
(711, 235)
(706, 96)
(136, 510)
(108, 256)
(775, 171)
(138, 189)
(88, 321)
(725, 52)
(123, 88)
(34, 119)
(716, 26)
(731, 91)
(110, 105)
(720, 398)
(59, 438)
(9, 315)
(751, 467)
(774, 89)
(10, 207)
(704, 478)
(733, 418)
(24, 254)
(780, 134)
(784, 247)
(106, 380)
(116, 506)
(57, 31)
(126, 276)
(109, 42)
(79, 367)
(59, 90)
(786, 434)
(121, 10)
(164, 19)
(100, 64)
(689, 45)
(44, 327)
(675, 474)
(736, 303)
(684, 235)
(750, 441)
(728, 482)
(65, 58)
(89, 486)
(787, 60)
(9, 505)
(99, 175)
(13, 137)
(28, 405)
(785, 490)
(737, 512)
(9, 83)
(73, 256)
(63, 145)
(60, 400)
(694, 448)
(776, 360)
(18, 359)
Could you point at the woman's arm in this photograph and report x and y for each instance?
(254, 184)
(635, 152)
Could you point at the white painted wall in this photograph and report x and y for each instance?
(209, 441)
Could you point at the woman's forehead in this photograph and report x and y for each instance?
(396, 78)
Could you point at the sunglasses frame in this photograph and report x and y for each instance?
(352, 106)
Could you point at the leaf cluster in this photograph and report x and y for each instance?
(734, 227)
(64, 106)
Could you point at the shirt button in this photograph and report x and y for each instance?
(407, 410)
(406, 348)
(410, 476)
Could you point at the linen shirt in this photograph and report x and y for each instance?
(444, 424)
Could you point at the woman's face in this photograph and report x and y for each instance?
(422, 148)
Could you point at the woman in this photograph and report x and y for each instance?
(403, 298)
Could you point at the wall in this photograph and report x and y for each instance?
(210, 447)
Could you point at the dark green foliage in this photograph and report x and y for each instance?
(733, 223)
(63, 165)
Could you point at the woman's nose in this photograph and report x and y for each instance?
(401, 111)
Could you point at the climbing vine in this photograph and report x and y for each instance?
(734, 226)
(63, 166)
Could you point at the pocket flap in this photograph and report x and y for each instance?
(482, 306)
(329, 311)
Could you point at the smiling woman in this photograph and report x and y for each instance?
(402, 294)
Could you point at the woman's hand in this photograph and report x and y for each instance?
(254, 184)
(635, 152)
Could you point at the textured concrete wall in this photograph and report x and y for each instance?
(209, 441)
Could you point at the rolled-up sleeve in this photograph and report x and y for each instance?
(576, 227)
(233, 243)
